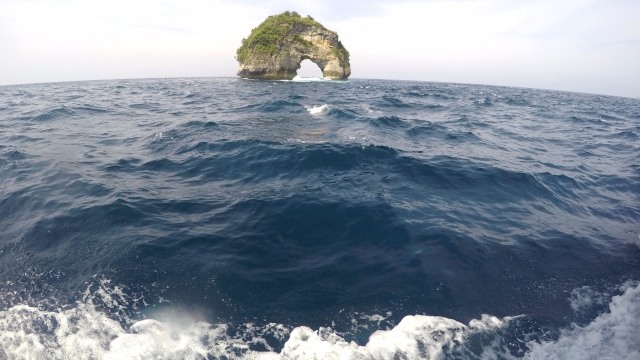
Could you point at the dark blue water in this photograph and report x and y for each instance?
(224, 218)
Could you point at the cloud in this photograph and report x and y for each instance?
(73, 39)
(569, 45)
(326, 10)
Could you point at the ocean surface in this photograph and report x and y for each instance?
(220, 218)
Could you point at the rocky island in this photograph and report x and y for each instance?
(275, 49)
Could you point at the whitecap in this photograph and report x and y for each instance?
(317, 109)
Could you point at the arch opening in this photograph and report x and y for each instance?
(309, 69)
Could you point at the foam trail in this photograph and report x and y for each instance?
(612, 335)
(415, 337)
(84, 332)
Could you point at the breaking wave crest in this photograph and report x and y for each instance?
(88, 331)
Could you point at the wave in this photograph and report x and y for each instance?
(56, 113)
(363, 219)
(97, 328)
(278, 106)
(333, 111)
(309, 79)
(388, 101)
(611, 334)
(317, 109)
(389, 121)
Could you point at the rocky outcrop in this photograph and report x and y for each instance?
(275, 49)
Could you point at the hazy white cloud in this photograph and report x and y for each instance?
(74, 39)
(581, 45)
(585, 45)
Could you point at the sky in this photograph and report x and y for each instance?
(590, 46)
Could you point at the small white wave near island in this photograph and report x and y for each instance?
(309, 79)
(84, 332)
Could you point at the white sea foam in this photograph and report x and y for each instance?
(317, 109)
(612, 335)
(585, 298)
(308, 79)
(370, 110)
(415, 337)
(84, 332)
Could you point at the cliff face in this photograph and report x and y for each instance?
(275, 49)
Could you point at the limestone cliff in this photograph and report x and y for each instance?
(275, 49)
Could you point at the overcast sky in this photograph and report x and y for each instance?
(586, 46)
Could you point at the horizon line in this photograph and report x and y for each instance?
(345, 80)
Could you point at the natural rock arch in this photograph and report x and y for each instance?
(275, 49)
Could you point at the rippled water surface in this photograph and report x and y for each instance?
(365, 219)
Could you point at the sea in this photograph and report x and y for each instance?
(222, 218)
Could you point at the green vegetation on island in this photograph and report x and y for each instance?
(266, 38)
